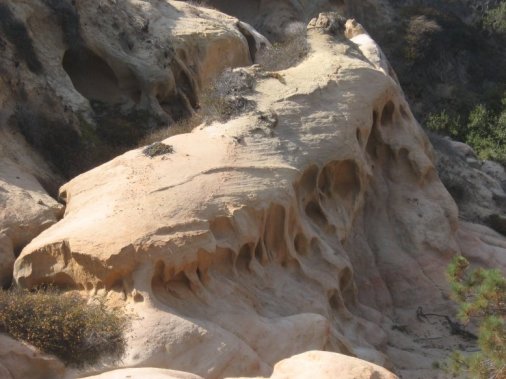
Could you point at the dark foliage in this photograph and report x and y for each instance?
(64, 325)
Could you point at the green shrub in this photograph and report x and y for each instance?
(445, 123)
(481, 296)
(63, 324)
(484, 131)
(495, 19)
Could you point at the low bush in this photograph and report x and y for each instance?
(158, 148)
(180, 127)
(226, 96)
(63, 324)
(221, 100)
(288, 53)
(495, 19)
(484, 129)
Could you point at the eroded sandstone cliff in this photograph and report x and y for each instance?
(315, 220)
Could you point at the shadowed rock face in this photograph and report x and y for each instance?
(256, 240)
(82, 80)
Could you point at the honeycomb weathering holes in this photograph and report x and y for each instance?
(341, 178)
(387, 114)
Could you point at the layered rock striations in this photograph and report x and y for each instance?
(314, 221)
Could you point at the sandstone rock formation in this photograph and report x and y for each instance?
(25, 207)
(315, 221)
(20, 361)
(325, 365)
(312, 364)
(479, 188)
(82, 79)
(143, 373)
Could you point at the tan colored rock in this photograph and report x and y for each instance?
(315, 221)
(85, 69)
(326, 365)
(25, 207)
(311, 364)
(371, 50)
(22, 361)
(144, 373)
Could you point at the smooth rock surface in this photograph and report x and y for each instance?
(144, 373)
(22, 361)
(326, 365)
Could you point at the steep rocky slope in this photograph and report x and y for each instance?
(82, 80)
(314, 221)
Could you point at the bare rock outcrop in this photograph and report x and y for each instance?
(315, 221)
(311, 364)
(479, 188)
(21, 361)
(25, 207)
(82, 79)
(326, 365)
(143, 373)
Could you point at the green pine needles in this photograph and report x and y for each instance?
(481, 297)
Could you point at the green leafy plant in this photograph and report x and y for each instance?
(484, 131)
(63, 324)
(444, 123)
(481, 297)
(495, 18)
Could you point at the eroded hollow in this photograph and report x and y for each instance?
(387, 115)
(244, 257)
(315, 214)
(301, 244)
(340, 178)
(92, 76)
(307, 182)
(274, 235)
